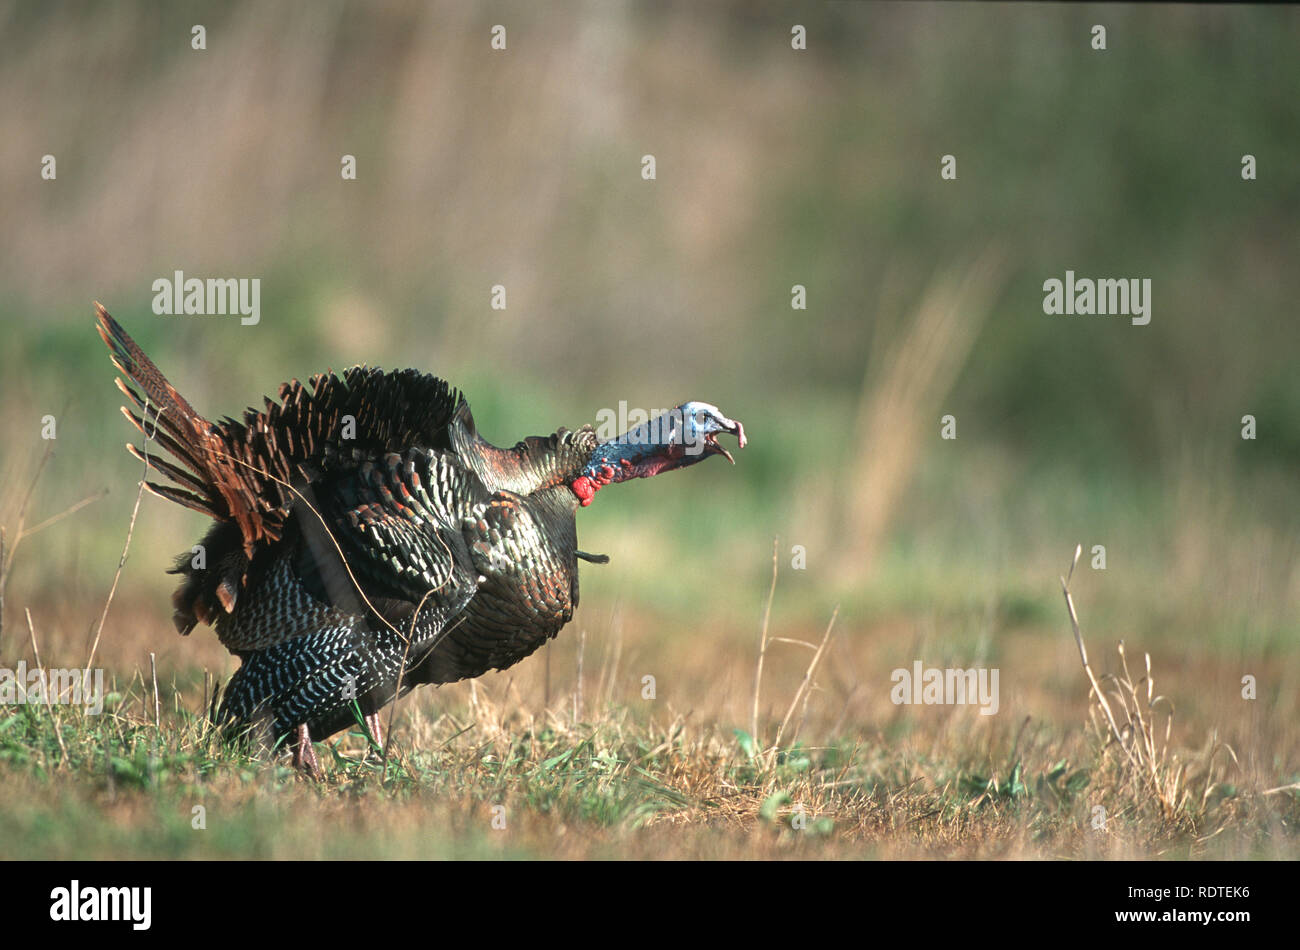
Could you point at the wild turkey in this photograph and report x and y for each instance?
(364, 511)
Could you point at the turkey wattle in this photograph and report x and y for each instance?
(361, 512)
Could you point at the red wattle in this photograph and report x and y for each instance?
(585, 490)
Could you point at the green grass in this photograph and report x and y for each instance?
(491, 779)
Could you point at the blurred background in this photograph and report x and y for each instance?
(774, 167)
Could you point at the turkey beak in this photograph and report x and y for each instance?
(736, 429)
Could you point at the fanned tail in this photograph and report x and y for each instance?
(250, 475)
(172, 423)
(169, 421)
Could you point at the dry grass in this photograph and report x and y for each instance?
(903, 389)
(578, 763)
(1142, 774)
(612, 776)
(611, 786)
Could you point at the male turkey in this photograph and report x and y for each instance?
(367, 540)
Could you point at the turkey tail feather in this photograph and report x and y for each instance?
(131, 360)
(248, 474)
(166, 417)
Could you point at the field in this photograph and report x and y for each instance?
(727, 687)
(569, 755)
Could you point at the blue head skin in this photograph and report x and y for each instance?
(676, 439)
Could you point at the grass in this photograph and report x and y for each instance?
(480, 782)
(787, 745)
(484, 769)
(784, 745)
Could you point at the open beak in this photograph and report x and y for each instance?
(736, 429)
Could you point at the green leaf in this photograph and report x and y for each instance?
(556, 760)
(767, 811)
(1015, 785)
(747, 743)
